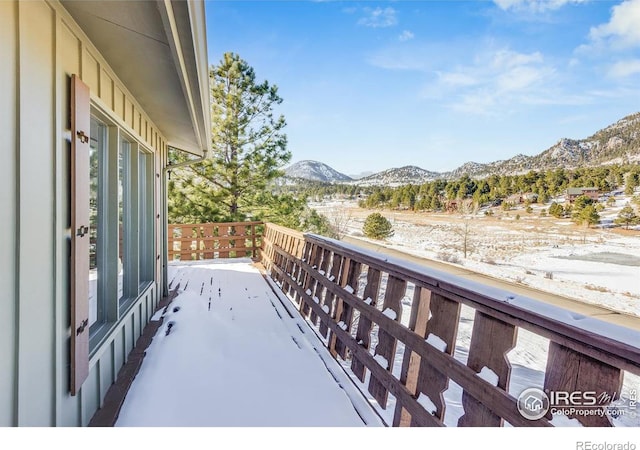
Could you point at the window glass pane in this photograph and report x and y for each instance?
(145, 204)
(96, 157)
(123, 169)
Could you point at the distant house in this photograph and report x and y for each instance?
(519, 198)
(573, 193)
(451, 206)
(515, 199)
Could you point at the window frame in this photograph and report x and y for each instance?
(111, 306)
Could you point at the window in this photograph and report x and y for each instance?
(121, 212)
(124, 216)
(146, 212)
(98, 145)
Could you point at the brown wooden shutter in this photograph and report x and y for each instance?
(80, 129)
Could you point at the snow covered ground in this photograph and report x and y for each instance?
(229, 354)
(597, 265)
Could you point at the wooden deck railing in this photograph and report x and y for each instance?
(355, 298)
(214, 240)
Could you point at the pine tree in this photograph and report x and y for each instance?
(249, 148)
(556, 210)
(627, 216)
(376, 226)
(587, 216)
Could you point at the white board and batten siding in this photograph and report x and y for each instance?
(40, 48)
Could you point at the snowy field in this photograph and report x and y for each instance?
(597, 265)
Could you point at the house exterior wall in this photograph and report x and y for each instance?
(8, 218)
(40, 48)
(573, 194)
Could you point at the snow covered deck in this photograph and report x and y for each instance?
(344, 336)
(230, 353)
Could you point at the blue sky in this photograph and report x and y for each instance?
(372, 85)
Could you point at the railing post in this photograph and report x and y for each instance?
(572, 372)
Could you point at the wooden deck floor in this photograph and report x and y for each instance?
(229, 352)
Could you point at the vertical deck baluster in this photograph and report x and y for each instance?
(336, 313)
(318, 289)
(286, 265)
(224, 240)
(329, 299)
(411, 360)
(309, 284)
(292, 267)
(363, 333)
(297, 272)
(207, 235)
(303, 275)
(491, 339)
(386, 347)
(443, 323)
(352, 279)
(185, 244)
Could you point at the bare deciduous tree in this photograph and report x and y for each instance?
(340, 222)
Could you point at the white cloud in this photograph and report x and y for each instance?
(409, 56)
(406, 35)
(379, 17)
(457, 79)
(533, 5)
(505, 59)
(623, 29)
(497, 81)
(623, 69)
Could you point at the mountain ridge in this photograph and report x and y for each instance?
(315, 171)
(616, 143)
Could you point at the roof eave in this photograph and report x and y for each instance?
(185, 25)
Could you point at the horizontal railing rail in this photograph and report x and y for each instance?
(214, 240)
(356, 301)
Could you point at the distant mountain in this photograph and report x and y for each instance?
(315, 171)
(360, 175)
(399, 176)
(617, 143)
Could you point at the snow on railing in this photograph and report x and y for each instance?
(214, 240)
(355, 299)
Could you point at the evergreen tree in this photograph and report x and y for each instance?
(587, 216)
(631, 185)
(627, 216)
(581, 202)
(376, 226)
(249, 148)
(556, 210)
